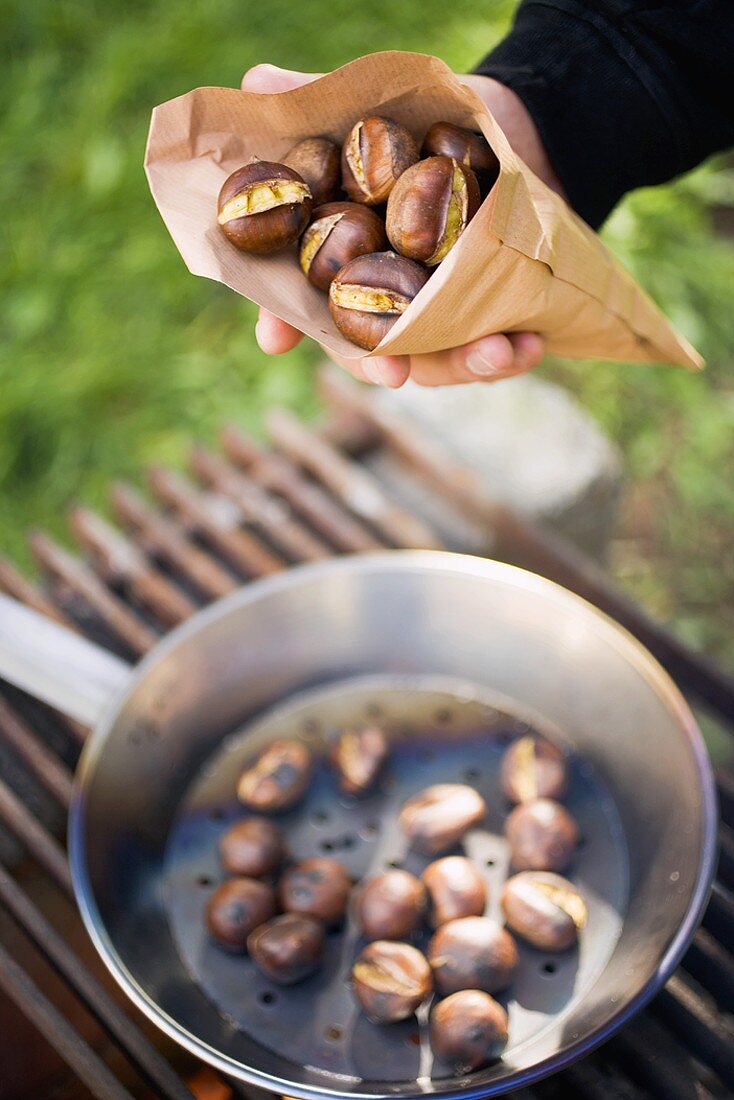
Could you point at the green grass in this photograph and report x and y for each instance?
(112, 355)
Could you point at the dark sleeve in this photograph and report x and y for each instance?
(623, 93)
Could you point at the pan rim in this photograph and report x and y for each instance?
(406, 560)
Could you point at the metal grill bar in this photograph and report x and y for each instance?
(160, 535)
(54, 775)
(88, 1066)
(218, 520)
(140, 1052)
(711, 966)
(705, 1032)
(310, 501)
(725, 787)
(152, 1066)
(656, 1061)
(120, 561)
(81, 580)
(15, 584)
(274, 516)
(593, 1083)
(719, 917)
(42, 846)
(359, 490)
(726, 854)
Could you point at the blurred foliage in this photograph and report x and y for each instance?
(112, 355)
(675, 428)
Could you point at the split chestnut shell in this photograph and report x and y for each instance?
(318, 161)
(375, 153)
(466, 146)
(338, 233)
(370, 293)
(263, 206)
(390, 980)
(545, 909)
(468, 1029)
(430, 207)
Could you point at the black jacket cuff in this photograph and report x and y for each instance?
(603, 114)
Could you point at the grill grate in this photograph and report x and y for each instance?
(247, 511)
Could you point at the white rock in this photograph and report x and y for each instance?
(536, 448)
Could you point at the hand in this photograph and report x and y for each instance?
(486, 360)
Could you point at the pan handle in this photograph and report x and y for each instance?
(57, 666)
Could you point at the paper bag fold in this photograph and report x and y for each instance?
(526, 261)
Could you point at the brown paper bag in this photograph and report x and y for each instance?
(526, 261)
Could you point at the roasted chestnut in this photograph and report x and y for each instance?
(357, 756)
(288, 948)
(468, 1029)
(544, 909)
(455, 889)
(338, 233)
(252, 847)
(429, 208)
(263, 206)
(317, 887)
(376, 152)
(236, 908)
(533, 767)
(390, 980)
(278, 778)
(389, 906)
(318, 161)
(542, 836)
(473, 150)
(472, 953)
(437, 818)
(370, 293)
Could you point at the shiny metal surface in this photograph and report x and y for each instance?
(408, 614)
(440, 730)
(57, 666)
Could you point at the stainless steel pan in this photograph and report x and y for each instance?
(453, 654)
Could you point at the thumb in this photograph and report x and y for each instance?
(269, 78)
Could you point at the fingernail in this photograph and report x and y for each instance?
(477, 364)
(259, 333)
(372, 373)
(380, 373)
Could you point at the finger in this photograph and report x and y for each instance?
(390, 371)
(457, 366)
(529, 348)
(487, 360)
(497, 356)
(439, 369)
(269, 78)
(351, 366)
(492, 357)
(274, 336)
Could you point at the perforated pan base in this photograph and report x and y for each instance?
(441, 731)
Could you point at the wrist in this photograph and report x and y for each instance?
(518, 126)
